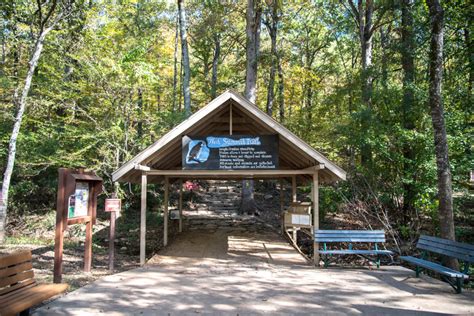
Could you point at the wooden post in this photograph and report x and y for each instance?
(293, 188)
(282, 198)
(88, 242)
(88, 247)
(143, 220)
(315, 198)
(112, 242)
(165, 213)
(293, 199)
(59, 237)
(180, 205)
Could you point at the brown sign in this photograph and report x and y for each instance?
(113, 205)
(76, 204)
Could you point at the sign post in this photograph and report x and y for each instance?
(76, 204)
(113, 206)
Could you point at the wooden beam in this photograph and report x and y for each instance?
(165, 213)
(142, 167)
(315, 199)
(143, 220)
(180, 206)
(266, 172)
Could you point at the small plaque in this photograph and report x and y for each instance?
(300, 219)
(113, 205)
(174, 214)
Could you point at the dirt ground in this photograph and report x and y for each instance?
(239, 270)
(73, 274)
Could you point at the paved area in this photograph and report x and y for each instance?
(240, 272)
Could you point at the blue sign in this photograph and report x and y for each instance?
(230, 152)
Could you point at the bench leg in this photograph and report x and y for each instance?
(26, 312)
(326, 261)
(378, 262)
(458, 285)
(417, 271)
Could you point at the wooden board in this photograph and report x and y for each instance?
(15, 258)
(23, 299)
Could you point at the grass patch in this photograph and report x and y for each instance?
(28, 240)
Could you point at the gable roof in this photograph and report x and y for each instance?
(166, 152)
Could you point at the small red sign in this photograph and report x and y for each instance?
(113, 205)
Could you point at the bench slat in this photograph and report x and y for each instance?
(434, 267)
(464, 246)
(367, 236)
(347, 235)
(447, 249)
(445, 252)
(15, 258)
(30, 297)
(363, 236)
(16, 278)
(17, 286)
(25, 266)
(356, 252)
(351, 232)
(349, 239)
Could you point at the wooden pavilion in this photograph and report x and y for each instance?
(228, 114)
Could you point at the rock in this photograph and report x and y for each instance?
(268, 197)
(123, 248)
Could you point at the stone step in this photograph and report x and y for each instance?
(220, 201)
(223, 207)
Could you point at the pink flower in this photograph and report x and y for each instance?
(190, 186)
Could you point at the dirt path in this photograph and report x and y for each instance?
(229, 246)
(240, 271)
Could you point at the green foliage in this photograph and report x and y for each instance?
(103, 91)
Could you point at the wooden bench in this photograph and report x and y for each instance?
(18, 288)
(447, 248)
(352, 236)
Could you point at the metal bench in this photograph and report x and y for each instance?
(352, 236)
(18, 288)
(447, 248)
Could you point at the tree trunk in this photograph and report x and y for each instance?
(470, 53)
(215, 63)
(175, 69)
(384, 46)
(445, 194)
(186, 66)
(272, 26)
(252, 30)
(365, 35)
(21, 103)
(140, 114)
(408, 103)
(363, 15)
(271, 80)
(281, 92)
(254, 14)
